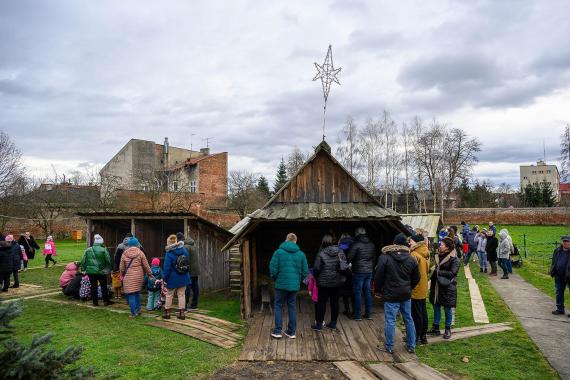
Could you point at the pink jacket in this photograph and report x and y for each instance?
(313, 289)
(68, 274)
(49, 248)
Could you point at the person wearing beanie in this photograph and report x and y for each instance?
(481, 241)
(153, 285)
(16, 256)
(133, 267)
(194, 270)
(420, 252)
(49, 251)
(396, 275)
(96, 263)
(362, 255)
(443, 286)
(176, 275)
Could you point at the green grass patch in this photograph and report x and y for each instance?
(493, 356)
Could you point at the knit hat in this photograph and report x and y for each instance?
(155, 262)
(172, 239)
(400, 239)
(448, 243)
(49, 238)
(9, 238)
(417, 238)
(133, 242)
(97, 239)
(180, 236)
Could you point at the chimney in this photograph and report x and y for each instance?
(205, 151)
(165, 152)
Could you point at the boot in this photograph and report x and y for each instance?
(447, 333)
(180, 314)
(166, 314)
(423, 340)
(434, 330)
(485, 269)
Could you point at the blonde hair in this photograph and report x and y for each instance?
(172, 239)
(292, 237)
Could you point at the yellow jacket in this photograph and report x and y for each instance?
(420, 252)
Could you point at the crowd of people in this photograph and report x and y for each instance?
(131, 273)
(405, 275)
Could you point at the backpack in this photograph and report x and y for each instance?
(182, 264)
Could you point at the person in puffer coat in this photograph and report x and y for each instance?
(504, 252)
(288, 268)
(362, 256)
(176, 282)
(329, 280)
(420, 252)
(443, 292)
(134, 265)
(68, 274)
(96, 263)
(6, 263)
(16, 260)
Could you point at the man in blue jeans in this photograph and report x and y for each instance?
(396, 275)
(288, 267)
(559, 271)
(362, 256)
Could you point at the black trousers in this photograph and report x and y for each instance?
(420, 317)
(326, 294)
(5, 279)
(102, 279)
(195, 289)
(48, 259)
(16, 278)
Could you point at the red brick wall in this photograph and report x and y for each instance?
(526, 216)
(61, 228)
(213, 179)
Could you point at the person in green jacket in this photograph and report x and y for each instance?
(96, 263)
(288, 267)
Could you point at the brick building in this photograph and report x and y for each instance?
(146, 167)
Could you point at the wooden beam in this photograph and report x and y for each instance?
(246, 278)
(186, 232)
(140, 217)
(133, 227)
(89, 232)
(254, 266)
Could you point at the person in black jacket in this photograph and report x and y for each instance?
(121, 247)
(443, 286)
(329, 279)
(30, 245)
(559, 270)
(362, 256)
(16, 259)
(6, 264)
(396, 275)
(491, 249)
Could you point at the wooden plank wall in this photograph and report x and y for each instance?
(322, 181)
(214, 264)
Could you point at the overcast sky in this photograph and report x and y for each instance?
(78, 79)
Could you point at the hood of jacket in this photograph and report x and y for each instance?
(5, 245)
(503, 234)
(124, 244)
(421, 248)
(155, 270)
(174, 248)
(331, 250)
(398, 252)
(71, 267)
(289, 246)
(132, 252)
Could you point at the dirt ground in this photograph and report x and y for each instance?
(278, 370)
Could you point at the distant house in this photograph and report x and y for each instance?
(144, 166)
(540, 172)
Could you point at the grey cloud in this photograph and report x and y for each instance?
(352, 6)
(375, 41)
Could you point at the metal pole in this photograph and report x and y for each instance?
(524, 242)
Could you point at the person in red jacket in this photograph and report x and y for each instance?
(49, 251)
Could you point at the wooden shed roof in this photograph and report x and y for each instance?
(429, 222)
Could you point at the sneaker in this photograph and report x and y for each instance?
(386, 349)
(423, 340)
(331, 325)
(290, 336)
(368, 317)
(410, 350)
(276, 335)
(558, 312)
(317, 327)
(355, 318)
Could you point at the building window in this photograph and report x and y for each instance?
(542, 171)
(534, 172)
(145, 187)
(193, 187)
(525, 178)
(175, 185)
(548, 171)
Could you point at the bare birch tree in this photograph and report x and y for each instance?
(348, 149)
(244, 196)
(371, 144)
(295, 160)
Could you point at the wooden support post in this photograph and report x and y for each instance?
(89, 231)
(254, 266)
(186, 231)
(133, 227)
(246, 278)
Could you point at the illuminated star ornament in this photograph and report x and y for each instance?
(327, 74)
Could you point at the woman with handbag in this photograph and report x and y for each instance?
(329, 264)
(443, 287)
(133, 267)
(96, 263)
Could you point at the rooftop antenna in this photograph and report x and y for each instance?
(327, 74)
(543, 150)
(191, 141)
(208, 141)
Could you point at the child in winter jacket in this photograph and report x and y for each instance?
(117, 284)
(153, 286)
(85, 289)
(49, 251)
(68, 274)
(24, 264)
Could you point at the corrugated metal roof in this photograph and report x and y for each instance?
(429, 222)
(323, 211)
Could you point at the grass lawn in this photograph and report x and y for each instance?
(118, 346)
(67, 251)
(506, 355)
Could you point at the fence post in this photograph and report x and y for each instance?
(524, 245)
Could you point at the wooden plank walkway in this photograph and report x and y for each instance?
(477, 304)
(471, 331)
(352, 340)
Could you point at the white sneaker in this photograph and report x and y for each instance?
(276, 335)
(290, 336)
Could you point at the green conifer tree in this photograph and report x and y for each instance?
(281, 177)
(263, 187)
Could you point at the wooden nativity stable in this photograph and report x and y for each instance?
(152, 229)
(322, 197)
